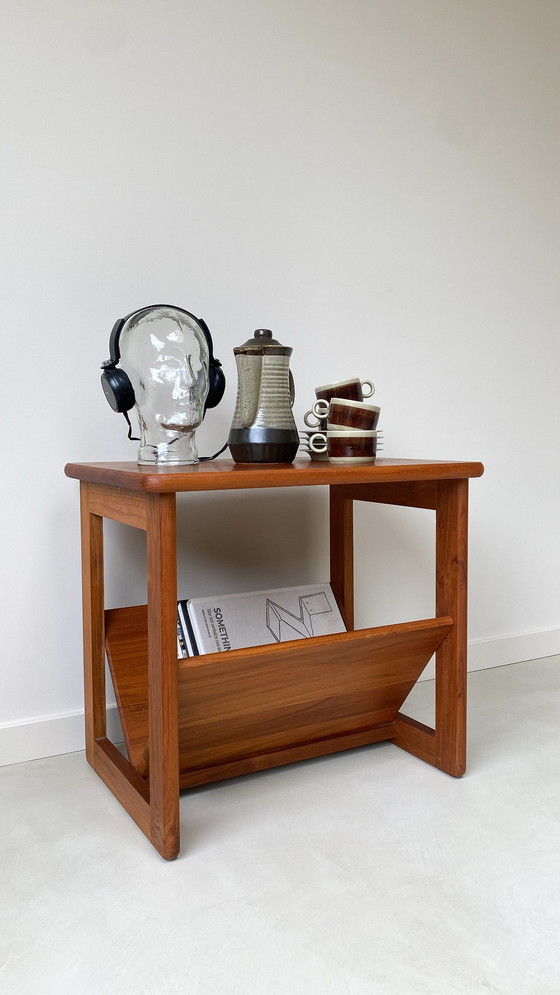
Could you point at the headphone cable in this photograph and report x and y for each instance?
(204, 459)
(130, 435)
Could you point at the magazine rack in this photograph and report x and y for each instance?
(210, 717)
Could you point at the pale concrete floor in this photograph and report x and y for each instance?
(366, 873)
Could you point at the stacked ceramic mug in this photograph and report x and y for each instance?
(347, 425)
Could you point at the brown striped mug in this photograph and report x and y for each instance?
(346, 446)
(345, 413)
(354, 389)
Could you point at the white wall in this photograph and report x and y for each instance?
(376, 181)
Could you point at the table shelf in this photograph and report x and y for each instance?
(254, 708)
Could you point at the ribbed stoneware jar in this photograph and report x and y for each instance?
(263, 429)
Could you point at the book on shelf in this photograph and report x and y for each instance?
(182, 648)
(185, 627)
(234, 621)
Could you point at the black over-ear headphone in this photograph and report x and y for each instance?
(116, 384)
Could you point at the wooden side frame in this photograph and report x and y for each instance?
(445, 746)
(154, 806)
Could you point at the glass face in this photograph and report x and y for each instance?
(165, 355)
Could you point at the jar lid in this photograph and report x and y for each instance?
(263, 342)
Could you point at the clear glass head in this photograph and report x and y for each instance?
(165, 355)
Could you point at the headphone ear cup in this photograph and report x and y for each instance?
(118, 390)
(217, 386)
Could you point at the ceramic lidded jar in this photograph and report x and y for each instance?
(263, 429)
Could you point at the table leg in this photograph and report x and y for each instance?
(93, 624)
(451, 599)
(162, 674)
(341, 518)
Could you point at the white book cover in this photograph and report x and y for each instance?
(256, 618)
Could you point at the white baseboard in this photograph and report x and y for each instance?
(50, 735)
(499, 652)
(484, 654)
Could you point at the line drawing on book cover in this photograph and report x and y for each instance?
(283, 624)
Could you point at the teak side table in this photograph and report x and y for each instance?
(210, 717)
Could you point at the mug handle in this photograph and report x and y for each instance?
(310, 424)
(369, 384)
(320, 436)
(321, 408)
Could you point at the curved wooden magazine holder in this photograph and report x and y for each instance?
(249, 709)
(205, 718)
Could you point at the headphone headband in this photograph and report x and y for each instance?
(114, 340)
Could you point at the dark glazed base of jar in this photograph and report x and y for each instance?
(274, 446)
(258, 445)
(259, 452)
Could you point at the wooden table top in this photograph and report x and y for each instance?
(224, 474)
